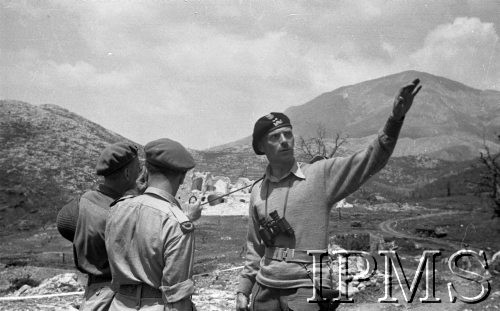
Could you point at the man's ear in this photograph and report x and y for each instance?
(260, 145)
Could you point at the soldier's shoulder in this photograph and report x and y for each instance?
(88, 194)
(172, 212)
(122, 199)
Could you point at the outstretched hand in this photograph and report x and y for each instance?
(193, 211)
(404, 99)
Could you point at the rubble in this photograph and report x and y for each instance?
(221, 184)
(343, 204)
(242, 182)
(234, 204)
(61, 283)
(355, 266)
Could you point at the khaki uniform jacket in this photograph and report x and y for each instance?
(147, 244)
(83, 221)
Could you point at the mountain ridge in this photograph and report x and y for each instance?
(447, 113)
(50, 152)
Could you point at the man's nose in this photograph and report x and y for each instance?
(283, 140)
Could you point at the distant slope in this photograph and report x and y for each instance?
(423, 177)
(447, 121)
(48, 155)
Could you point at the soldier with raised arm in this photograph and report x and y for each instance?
(289, 209)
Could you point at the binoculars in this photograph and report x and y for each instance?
(270, 229)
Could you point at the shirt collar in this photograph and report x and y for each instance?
(109, 192)
(162, 193)
(295, 170)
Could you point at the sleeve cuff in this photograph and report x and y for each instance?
(245, 286)
(178, 291)
(185, 304)
(393, 127)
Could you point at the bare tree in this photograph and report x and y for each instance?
(316, 147)
(490, 179)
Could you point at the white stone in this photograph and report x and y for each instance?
(22, 290)
(67, 282)
(352, 290)
(222, 185)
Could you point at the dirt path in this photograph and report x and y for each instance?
(387, 227)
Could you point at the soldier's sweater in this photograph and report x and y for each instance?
(314, 189)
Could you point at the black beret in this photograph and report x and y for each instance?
(114, 157)
(266, 124)
(169, 154)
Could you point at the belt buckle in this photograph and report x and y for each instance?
(287, 254)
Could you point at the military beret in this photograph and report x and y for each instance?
(114, 157)
(266, 124)
(169, 154)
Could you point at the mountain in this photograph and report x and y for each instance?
(448, 119)
(48, 155)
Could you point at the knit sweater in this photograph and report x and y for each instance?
(310, 191)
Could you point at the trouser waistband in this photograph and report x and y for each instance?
(139, 290)
(288, 255)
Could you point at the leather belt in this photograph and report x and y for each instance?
(288, 255)
(98, 279)
(140, 290)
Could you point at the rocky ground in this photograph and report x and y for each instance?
(215, 291)
(216, 283)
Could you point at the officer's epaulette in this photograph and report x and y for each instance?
(187, 227)
(122, 199)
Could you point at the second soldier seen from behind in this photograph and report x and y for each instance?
(149, 239)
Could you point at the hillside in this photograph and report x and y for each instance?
(49, 152)
(48, 155)
(448, 119)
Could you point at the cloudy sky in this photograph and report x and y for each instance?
(202, 72)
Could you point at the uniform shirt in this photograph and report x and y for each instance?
(83, 222)
(146, 244)
(310, 190)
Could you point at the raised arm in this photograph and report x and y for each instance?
(346, 175)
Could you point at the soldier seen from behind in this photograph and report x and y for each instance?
(149, 239)
(83, 221)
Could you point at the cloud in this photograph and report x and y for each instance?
(466, 50)
(48, 74)
(215, 62)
